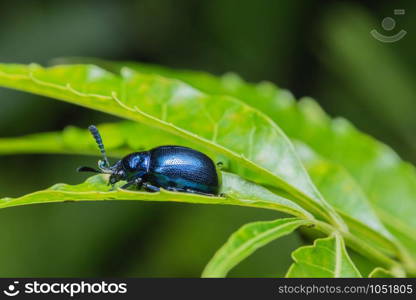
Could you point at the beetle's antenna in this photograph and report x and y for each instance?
(88, 169)
(99, 141)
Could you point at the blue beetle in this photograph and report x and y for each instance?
(174, 168)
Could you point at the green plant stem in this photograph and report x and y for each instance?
(363, 248)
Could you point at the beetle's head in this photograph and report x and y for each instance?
(117, 173)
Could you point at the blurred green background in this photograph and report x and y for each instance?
(320, 48)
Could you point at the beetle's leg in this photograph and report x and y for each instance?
(128, 184)
(187, 190)
(174, 189)
(137, 181)
(150, 188)
(191, 191)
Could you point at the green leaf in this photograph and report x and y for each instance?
(237, 192)
(380, 273)
(245, 241)
(254, 146)
(327, 257)
(382, 175)
(347, 197)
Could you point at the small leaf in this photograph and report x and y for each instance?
(245, 241)
(327, 257)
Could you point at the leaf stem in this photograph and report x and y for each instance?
(362, 247)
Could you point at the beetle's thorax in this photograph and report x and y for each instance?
(135, 164)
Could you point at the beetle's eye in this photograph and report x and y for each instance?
(101, 164)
